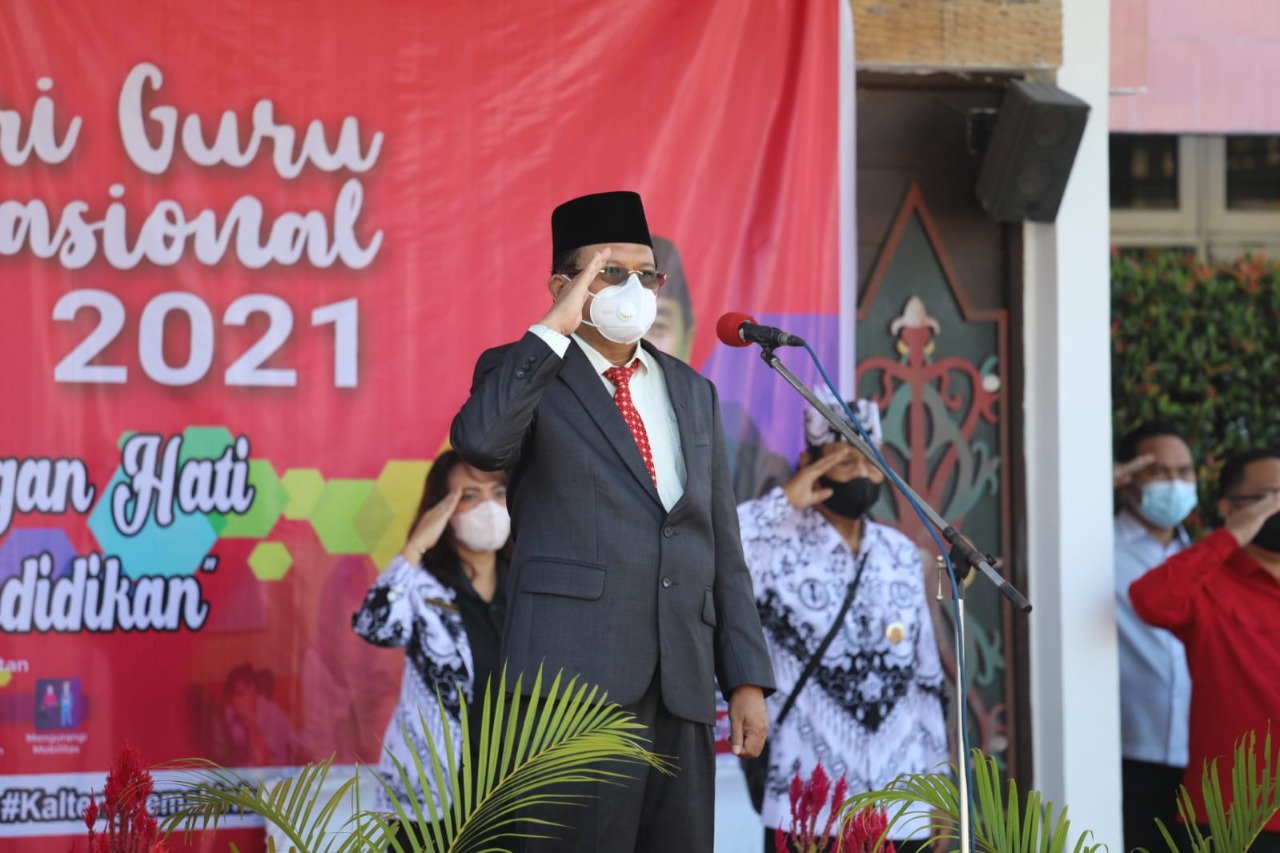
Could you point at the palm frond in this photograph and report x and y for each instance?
(912, 801)
(289, 804)
(1234, 822)
(530, 749)
(1002, 822)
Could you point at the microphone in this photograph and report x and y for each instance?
(740, 330)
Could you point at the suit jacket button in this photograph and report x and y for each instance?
(666, 582)
(668, 531)
(519, 374)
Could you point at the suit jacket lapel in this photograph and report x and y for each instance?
(589, 388)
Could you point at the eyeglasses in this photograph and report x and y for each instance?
(1253, 498)
(652, 279)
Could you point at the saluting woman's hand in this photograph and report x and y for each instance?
(430, 527)
(803, 490)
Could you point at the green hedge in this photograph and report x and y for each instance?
(1197, 344)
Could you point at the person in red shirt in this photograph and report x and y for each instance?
(1221, 598)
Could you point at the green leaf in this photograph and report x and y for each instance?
(530, 749)
(1234, 820)
(1003, 822)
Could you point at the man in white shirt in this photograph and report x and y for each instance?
(1156, 481)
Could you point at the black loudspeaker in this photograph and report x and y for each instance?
(1032, 147)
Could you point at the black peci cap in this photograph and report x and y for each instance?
(612, 217)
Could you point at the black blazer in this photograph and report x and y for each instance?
(605, 583)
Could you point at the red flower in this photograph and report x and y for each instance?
(808, 799)
(864, 830)
(816, 792)
(796, 795)
(837, 800)
(842, 791)
(130, 827)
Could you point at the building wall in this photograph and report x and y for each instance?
(952, 35)
(1199, 76)
(1062, 313)
(1187, 66)
(1067, 433)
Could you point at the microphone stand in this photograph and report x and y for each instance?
(961, 716)
(964, 555)
(963, 551)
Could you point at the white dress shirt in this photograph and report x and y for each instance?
(1155, 686)
(653, 403)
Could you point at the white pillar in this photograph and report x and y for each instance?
(1074, 681)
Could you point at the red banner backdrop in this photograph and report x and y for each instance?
(250, 252)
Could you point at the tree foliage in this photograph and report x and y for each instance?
(1197, 344)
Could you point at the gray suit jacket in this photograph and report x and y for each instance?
(604, 582)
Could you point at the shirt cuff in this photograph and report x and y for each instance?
(397, 573)
(559, 343)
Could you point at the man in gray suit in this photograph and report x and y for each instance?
(628, 567)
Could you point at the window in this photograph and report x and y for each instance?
(1144, 172)
(1219, 195)
(1153, 190)
(1253, 173)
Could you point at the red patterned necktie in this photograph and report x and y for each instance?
(621, 378)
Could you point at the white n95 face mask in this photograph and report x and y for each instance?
(483, 528)
(623, 313)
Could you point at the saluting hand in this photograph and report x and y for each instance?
(427, 532)
(1122, 472)
(1245, 522)
(803, 489)
(566, 313)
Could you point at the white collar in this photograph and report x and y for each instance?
(600, 364)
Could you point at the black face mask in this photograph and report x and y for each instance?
(1269, 536)
(853, 498)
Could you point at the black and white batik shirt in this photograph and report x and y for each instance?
(408, 607)
(874, 707)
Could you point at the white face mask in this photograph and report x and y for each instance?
(624, 312)
(482, 528)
